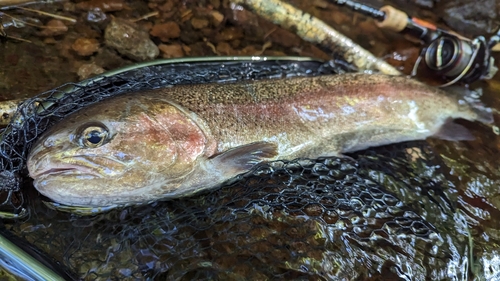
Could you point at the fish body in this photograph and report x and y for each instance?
(173, 142)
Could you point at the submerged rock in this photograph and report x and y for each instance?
(53, 28)
(130, 41)
(85, 46)
(171, 51)
(472, 18)
(88, 70)
(166, 31)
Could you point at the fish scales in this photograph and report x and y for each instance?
(306, 110)
(174, 142)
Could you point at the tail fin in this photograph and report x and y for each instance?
(471, 98)
(484, 114)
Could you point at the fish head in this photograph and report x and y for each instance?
(120, 151)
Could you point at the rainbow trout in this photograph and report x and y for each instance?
(173, 142)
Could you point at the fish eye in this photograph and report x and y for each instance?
(93, 136)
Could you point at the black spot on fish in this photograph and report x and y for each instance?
(106, 111)
(162, 107)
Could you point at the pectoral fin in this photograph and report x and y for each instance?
(224, 167)
(241, 159)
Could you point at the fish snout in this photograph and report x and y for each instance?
(49, 166)
(36, 166)
(35, 157)
(45, 159)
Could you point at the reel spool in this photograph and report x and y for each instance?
(447, 54)
(458, 59)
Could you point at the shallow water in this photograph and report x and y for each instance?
(185, 241)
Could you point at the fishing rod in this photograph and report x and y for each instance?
(27, 262)
(445, 53)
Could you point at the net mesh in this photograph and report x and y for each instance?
(35, 115)
(384, 213)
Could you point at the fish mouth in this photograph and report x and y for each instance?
(66, 169)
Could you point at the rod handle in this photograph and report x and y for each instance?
(395, 19)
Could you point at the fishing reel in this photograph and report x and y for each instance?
(458, 59)
(453, 57)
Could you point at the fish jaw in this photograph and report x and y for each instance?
(79, 191)
(76, 166)
(52, 156)
(62, 169)
(90, 180)
(71, 180)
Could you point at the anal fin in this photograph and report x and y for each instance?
(454, 132)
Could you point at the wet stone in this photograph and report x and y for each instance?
(96, 15)
(472, 18)
(108, 58)
(130, 41)
(249, 50)
(230, 33)
(186, 49)
(166, 31)
(69, 7)
(217, 18)
(167, 7)
(87, 31)
(224, 49)
(198, 23)
(171, 51)
(85, 46)
(54, 27)
(50, 41)
(215, 3)
(88, 70)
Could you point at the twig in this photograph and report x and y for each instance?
(18, 39)
(316, 31)
(24, 22)
(148, 15)
(27, 23)
(49, 14)
(270, 32)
